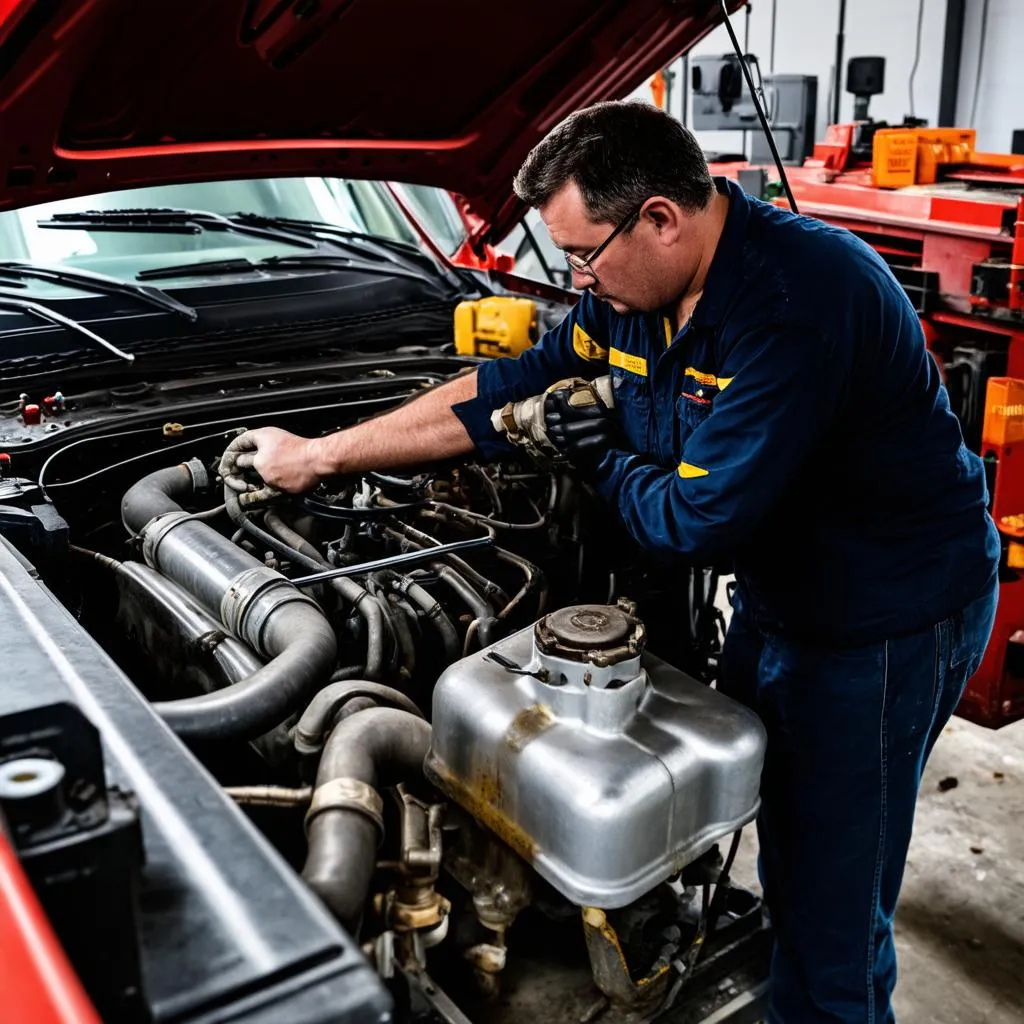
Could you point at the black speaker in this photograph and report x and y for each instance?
(865, 76)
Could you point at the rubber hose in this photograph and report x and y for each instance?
(418, 538)
(403, 633)
(305, 651)
(316, 720)
(432, 609)
(343, 843)
(349, 589)
(355, 705)
(457, 583)
(156, 493)
(295, 635)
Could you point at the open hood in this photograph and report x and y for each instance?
(97, 95)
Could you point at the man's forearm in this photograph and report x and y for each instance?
(422, 430)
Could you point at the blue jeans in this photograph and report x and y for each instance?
(849, 732)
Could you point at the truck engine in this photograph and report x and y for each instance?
(413, 743)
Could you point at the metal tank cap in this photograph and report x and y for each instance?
(602, 634)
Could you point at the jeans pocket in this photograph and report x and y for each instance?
(970, 630)
(959, 648)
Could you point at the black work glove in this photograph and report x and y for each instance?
(583, 433)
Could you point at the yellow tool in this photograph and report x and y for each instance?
(496, 326)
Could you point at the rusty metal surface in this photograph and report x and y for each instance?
(605, 791)
(641, 998)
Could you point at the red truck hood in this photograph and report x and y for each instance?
(97, 95)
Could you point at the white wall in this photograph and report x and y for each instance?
(805, 34)
(1000, 105)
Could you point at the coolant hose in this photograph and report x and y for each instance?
(252, 602)
(345, 823)
(158, 493)
(303, 650)
(360, 599)
(317, 719)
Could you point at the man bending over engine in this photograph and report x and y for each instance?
(774, 404)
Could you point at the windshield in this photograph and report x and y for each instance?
(362, 206)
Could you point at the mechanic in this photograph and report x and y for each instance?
(775, 406)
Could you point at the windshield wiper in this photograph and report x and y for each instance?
(41, 312)
(303, 261)
(173, 221)
(86, 280)
(345, 237)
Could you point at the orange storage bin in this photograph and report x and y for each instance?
(1004, 411)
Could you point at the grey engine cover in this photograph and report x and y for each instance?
(607, 783)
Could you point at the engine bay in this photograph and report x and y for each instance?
(455, 701)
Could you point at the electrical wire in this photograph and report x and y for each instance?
(760, 110)
(836, 87)
(228, 426)
(722, 884)
(117, 465)
(746, 50)
(917, 53)
(692, 954)
(981, 55)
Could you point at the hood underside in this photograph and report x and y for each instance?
(97, 95)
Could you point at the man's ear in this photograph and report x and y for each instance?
(666, 218)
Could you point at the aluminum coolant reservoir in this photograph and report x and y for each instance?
(605, 768)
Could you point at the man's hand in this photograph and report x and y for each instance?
(583, 433)
(285, 461)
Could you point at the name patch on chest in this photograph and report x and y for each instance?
(625, 361)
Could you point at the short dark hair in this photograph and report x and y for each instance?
(619, 154)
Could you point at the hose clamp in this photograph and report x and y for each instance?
(347, 794)
(250, 600)
(200, 478)
(154, 532)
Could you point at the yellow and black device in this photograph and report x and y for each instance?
(496, 326)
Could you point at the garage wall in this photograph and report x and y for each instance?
(805, 32)
(1000, 104)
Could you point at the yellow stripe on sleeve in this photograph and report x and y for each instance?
(586, 347)
(688, 471)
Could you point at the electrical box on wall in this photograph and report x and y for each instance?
(791, 106)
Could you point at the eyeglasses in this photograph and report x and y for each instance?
(585, 264)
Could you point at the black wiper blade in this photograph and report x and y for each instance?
(329, 261)
(172, 220)
(89, 281)
(334, 233)
(41, 312)
(200, 268)
(299, 261)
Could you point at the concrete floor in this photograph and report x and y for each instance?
(960, 921)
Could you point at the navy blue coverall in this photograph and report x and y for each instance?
(798, 427)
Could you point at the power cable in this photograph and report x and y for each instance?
(757, 106)
(917, 53)
(981, 55)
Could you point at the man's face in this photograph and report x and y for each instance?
(637, 272)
